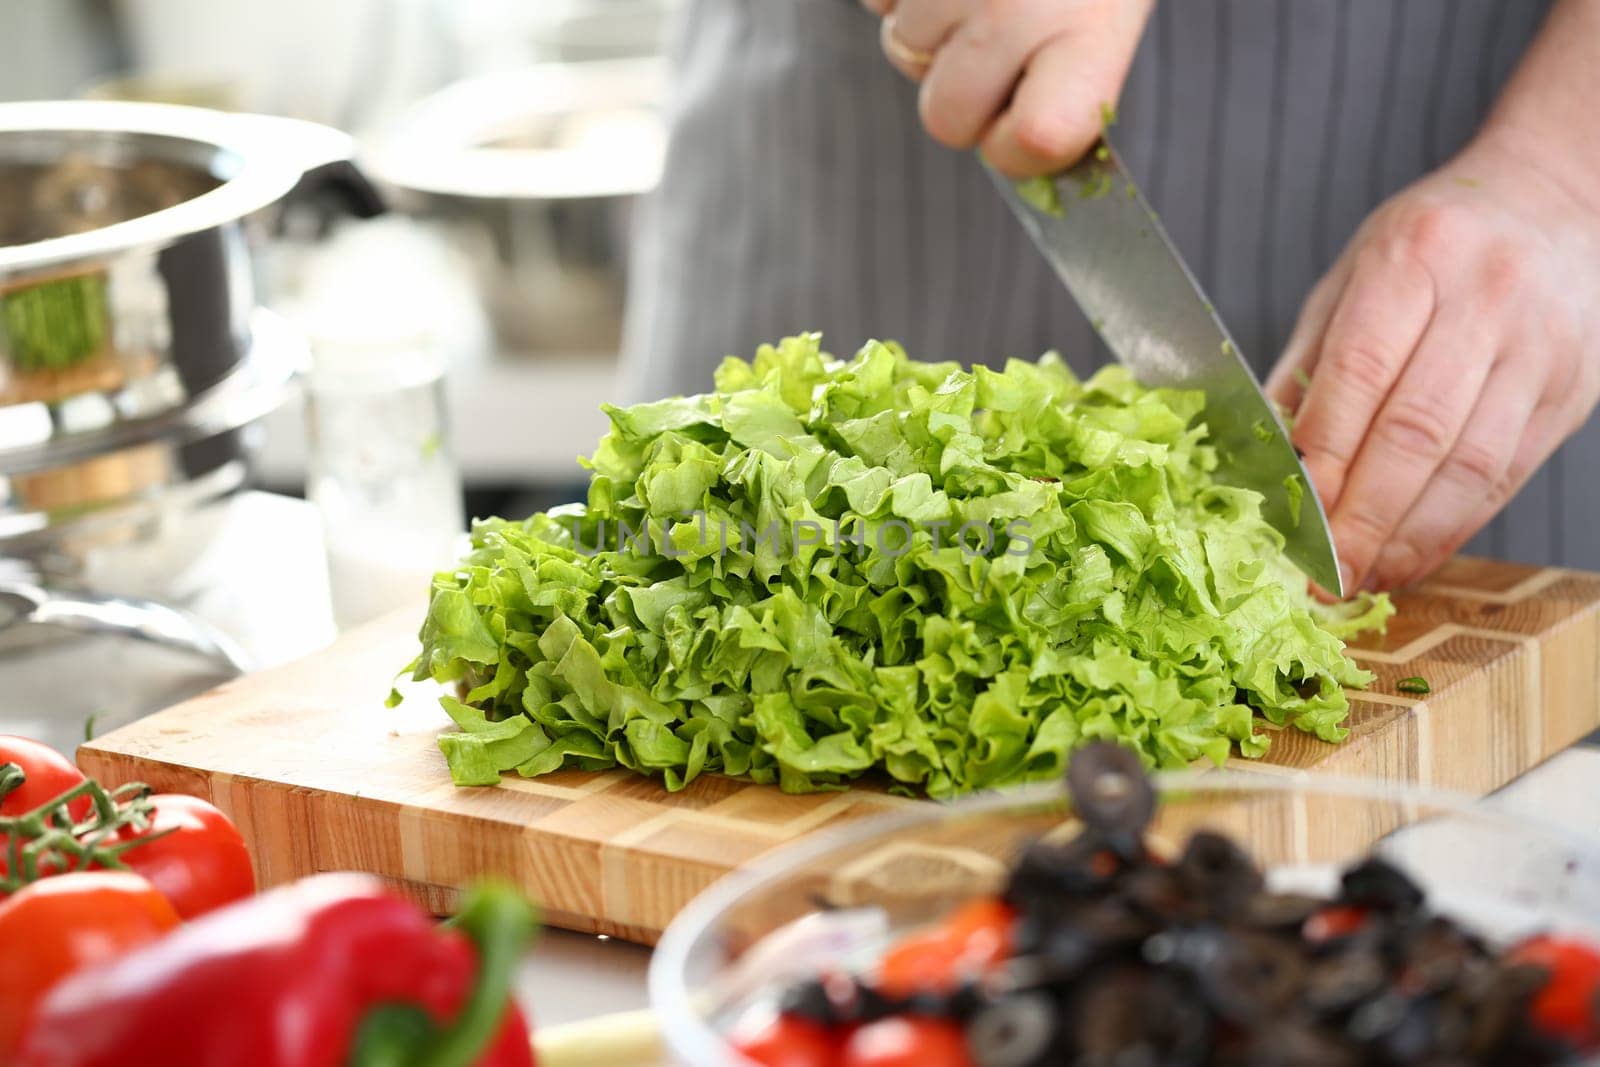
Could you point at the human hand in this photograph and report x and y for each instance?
(1451, 349)
(1024, 80)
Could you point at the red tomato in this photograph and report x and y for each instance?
(59, 925)
(1569, 1004)
(974, 938)
(904, 1041)
(201, 865)
(1339, 920)
(47, 772)
(787, 1041)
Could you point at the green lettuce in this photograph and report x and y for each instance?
(949, 577)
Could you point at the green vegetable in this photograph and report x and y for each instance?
(1301, 378)
(1264, 433)
(55, 325)
(1041, 194)
(1416, 684)
(950, 577)
(1296, 489)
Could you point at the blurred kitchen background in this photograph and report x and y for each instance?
(510, 141)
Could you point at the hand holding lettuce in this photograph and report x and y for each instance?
(823, 569)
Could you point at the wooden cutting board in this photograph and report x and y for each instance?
(320, 776)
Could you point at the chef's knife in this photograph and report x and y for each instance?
(1098, 233)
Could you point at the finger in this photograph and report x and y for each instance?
(925, 25)
(878, 7)
(1054, 115)
(909, 61)
(1283, 384)
(1477, 470)
(1377, 324)
(971, 78)
(1543, 435)
(1411, 436)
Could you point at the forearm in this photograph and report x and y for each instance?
(1549, 113)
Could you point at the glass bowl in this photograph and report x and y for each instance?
(840, 898)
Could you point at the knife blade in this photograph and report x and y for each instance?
(1105, 242)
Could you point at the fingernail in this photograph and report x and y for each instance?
(1347, 579)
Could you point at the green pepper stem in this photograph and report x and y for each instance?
(499, 922)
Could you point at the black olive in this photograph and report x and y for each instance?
(1243, 976)
(1436, 955)
(1295, 1044)
(1129, 1015)
(1280, 911)
(1158, 893)
(1111, 794)
(1343, 981)
(1498, 996)
(1081, 867)
(1217, 871)
(1014, 1031)
(810, 1000)
(1397, 1027)
(1374, 883)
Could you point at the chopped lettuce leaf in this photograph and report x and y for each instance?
(950, 578)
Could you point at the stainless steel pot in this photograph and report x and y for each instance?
(132, 351)
(125, 268)
(534, 174)
(135, 360)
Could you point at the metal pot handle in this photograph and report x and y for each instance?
(142, 620)
(330, 182)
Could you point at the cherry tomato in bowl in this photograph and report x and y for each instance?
(199, 862)
(59, 925)
(786, 1041)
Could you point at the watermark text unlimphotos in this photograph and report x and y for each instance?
(717, 537)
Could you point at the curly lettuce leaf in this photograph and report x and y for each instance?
(952, 578)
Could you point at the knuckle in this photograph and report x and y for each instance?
(1415, 428)
(1504, 272)
(1431, 230)
(1474, 464)
(1365, 363)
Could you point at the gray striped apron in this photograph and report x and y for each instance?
(800, 193)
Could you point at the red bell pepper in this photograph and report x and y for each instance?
(333, 971)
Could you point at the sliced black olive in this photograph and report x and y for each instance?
(1342, 982)
(1280, 911)
(1111, 794)
(1158, 893)
(1014, 1031)
(1081, 867)
(1295, 1044)
(810, 1000)
(1373, 883)
(1436, 956)
(1215, 870)
(1129, 1015)
(1252, 977)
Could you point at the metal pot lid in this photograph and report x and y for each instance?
(558, 131)
(257, 159)
(42, 436)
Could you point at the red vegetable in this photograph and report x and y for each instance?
(333, 971)
(905, 1041)
(198, 861)
(39, 774)
(1569, 1004)
(974, 938)
(53, 928)
(788, 1041)
(1335, 921)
